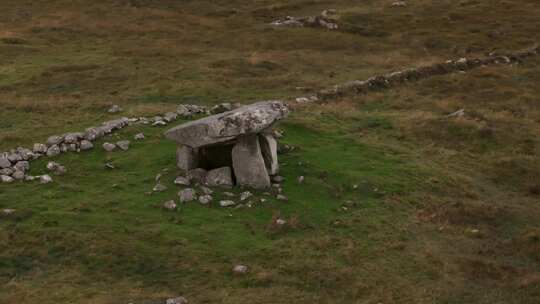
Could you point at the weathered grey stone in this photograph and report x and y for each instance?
(40, 148)
(6, 179)
(197, 175)
(170, 205)
(56, 168)
(123, 144)
(45, 179)
(301, 179)
(53, 150)
(109, 147)
(159, 123)
(25, 154)
(18, 175)
(54, 140)
(204, 189)
(4, 162)
(187, 195)
(22, 165)
(248, 163)
(64, 148)
(86, 145)
(223, 127)
(14, 157)
(139, 136)
(187, 158)
(245, 195)
(7, 171)
(72, 138)
(205, 199)
(29, 178)
(180, 180)
(219, 177)
(179, 300)
(269, 151)
(282, 197)
(170, 116)
(226, 203)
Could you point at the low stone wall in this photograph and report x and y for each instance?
(414, 74)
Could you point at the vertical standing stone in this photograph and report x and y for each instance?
(187, 158)
(248, 163)
(269, 152)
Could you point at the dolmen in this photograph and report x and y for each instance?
(231, 148)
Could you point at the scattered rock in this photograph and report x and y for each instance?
(300, 179)
(139, 136)
(226, 203)
(282, 197)
(45, 179)
(170, 205)
(4, 162)
(197, 175)
(109, 166)
(22, 165)
(114, 109)
(159, 123)
(109, 147)
(219, 177)
(229, 194)
(7, 171)
(56, 168)
(8, 211)
(206, 190)
(53, 150)
(205, 199)
(18, 175)
(245, 195)
(187, 195)
(86, 145)
(159, 187)
(40, 148)
(123, 144)
(180, 180)
(6, 179)
(179, 300)
(240, 269)
(458, 113)
(281, 222)
(54, 140)
(399, 4)
(278, 179)
(170, 116)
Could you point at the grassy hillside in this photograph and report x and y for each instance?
(401, 204)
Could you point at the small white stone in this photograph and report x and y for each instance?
(227, 203)
(159, 187)
(179, 300)
(6, 179)
(240, 269)
(245, 195)
(281, 222)
(180, 180)
(205, 199)
(170, 205)
(45, 179)
(109, 147)
(139, 136)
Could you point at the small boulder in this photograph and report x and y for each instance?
(204, 189)
(54, 140)
(187, 195)
(278, 179)
(139, 136)
(86, 145)
(22, 165)
(53, 150)
(219, 177)
(301, 179)
(7, 171)
(245, 195)
(4, 162)
(45, 179)
(123, 144)
(6, 179)
(226, 203)
(205, 199)
(170, 116)
(109, 147)
(197, 175)
(184, 181)
(220, 108)
(18, 175)
(169, 205)
(39, 148)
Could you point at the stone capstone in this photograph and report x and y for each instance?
(223, 127)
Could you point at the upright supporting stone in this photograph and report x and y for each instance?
(186, 157)
(248, 163)
(269, 152)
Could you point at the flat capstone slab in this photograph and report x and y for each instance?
(223, 127)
